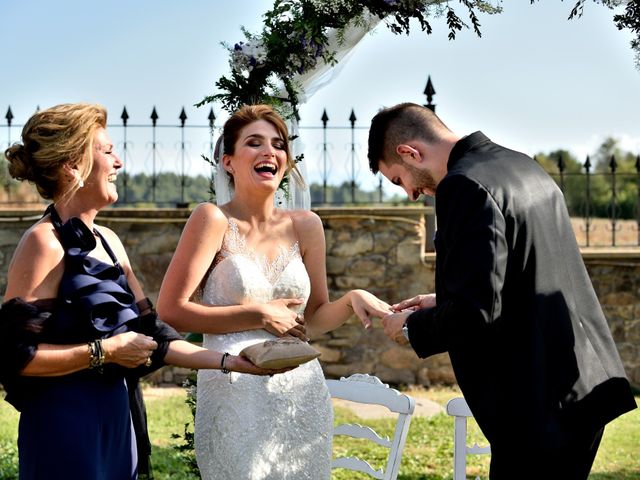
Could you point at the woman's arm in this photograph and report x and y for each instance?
(128, 349)
(34, 273)
(37, 265)
(185, 354)
(200, 241)
(321, 314)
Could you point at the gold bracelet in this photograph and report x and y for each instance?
(96, 355)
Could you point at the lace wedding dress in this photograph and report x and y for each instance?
(252, 427)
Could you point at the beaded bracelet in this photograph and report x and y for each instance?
(96, 355)
(222, 367)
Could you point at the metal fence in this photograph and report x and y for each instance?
(165, 166)
(156, 153)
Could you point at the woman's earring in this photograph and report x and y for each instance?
(80, 181)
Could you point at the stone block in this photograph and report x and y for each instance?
(409, 252)
(399, 357)
(342, 342)
(10, 237)
(619, 299)
(336, 265)
(328, 355)
(350, 283)
(395, 376)
(384, 241)
(422, 377)
(353, 247)
(372, 266)
(442, 376)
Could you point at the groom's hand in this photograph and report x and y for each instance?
(416, 303)
(393, 324)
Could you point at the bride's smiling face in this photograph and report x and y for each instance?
(259, 158)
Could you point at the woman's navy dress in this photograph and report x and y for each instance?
(82, 425)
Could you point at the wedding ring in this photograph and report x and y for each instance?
(300, 318)
(148, 362)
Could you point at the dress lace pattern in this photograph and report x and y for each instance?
(259, 428)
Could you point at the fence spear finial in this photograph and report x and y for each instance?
(325, 118)
(124, 116)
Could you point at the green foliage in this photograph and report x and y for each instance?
(575, 183)
(341, 194)
(186, 448)
(296, 36)
(165, 187)
(8, 446)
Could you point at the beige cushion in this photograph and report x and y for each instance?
(282, 352)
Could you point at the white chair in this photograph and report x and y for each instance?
(458, 408)
(368, 389)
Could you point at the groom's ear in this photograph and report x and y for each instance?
(409, 154)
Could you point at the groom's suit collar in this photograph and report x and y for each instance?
(465, 144)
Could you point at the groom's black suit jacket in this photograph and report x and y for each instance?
(528, 341)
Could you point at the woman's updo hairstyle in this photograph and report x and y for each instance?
(248, 114)
(52, 138)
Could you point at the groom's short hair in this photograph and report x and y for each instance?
(400, 124)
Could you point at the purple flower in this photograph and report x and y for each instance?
(238, 47)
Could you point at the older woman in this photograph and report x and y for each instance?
(73, 340)
(261, 268)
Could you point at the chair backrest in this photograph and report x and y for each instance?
(458, 408)
(368, 389)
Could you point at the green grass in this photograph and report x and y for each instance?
(427, 455)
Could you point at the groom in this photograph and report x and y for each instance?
(515, 309)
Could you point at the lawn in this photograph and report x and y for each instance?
(427, 455)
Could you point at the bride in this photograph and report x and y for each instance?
(262, 274)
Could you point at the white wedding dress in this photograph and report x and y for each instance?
(253, 427)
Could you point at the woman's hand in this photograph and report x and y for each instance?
(279, 319)
(366, 305)
(416, 303)
(128, 349)
(236, 363)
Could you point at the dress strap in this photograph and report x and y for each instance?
(106, 246)
(295, 231)
(55, 218)
(81, 233)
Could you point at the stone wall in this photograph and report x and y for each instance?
(377, 249)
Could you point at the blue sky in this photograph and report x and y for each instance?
(534, 82)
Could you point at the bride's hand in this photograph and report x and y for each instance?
(366, 305)
(236, 363)
(279, 319)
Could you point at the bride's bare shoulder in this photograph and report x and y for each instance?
(307, 224)
(207, 215)
(305, 219)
